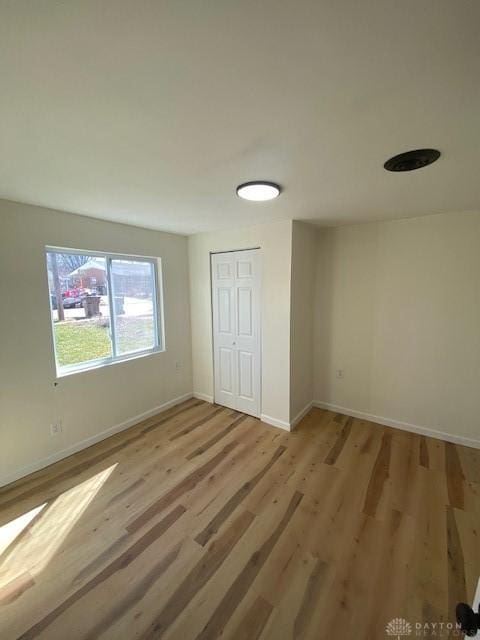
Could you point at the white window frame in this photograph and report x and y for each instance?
(158, 314)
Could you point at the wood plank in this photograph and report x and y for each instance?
(242, 583)
(122, 561)
(204, 536)
(15, 588)
(457, 587)
(311, 596)
(140, 530)
(379, 477)
(424, 460)
(253, 623)
(455, 477)
(337, 448)
(217, 437)
(198, 423)
(198, 577)
(177, 492)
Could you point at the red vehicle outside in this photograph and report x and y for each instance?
(75, 293)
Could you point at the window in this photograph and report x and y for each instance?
(104, 308)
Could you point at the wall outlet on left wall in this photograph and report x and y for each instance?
(56, 428)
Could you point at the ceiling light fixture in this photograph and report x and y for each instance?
(258, 190)
(411, 160)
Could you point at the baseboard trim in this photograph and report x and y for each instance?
(203, 396)
(275, 422)
(88, 442)
(300, 415)
(397, 424)
(287, 426)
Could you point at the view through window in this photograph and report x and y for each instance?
(104, 307)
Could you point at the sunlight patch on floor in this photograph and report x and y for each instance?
(10, 531)
(34, 551)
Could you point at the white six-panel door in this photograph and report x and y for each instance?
(237, 330)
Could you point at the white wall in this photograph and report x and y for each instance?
(398, 309)
(304, 249)
(90, 402)
(275, 243)
(396, 306)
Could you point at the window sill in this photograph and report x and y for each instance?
(106, 362)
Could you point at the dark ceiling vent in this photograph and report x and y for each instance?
(411, 160)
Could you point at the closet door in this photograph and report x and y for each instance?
(237, 329)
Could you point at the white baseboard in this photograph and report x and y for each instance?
(275, 422)
(287, 426)
(263, 417)
(83, 444)
(300, 415)
(203, 396)
(397, 424)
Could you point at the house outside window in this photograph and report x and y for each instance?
(104, 308)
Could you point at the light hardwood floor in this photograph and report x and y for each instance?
(202, 521)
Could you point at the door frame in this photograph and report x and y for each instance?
(212, 253)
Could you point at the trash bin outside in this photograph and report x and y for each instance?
(118, 301)
(91, 304)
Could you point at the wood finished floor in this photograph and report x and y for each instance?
(201, 522)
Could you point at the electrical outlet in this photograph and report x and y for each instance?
(55, 428)
(339, 373)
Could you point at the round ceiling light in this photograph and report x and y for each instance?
(258, 190)
(411, 160)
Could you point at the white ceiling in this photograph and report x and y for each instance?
(151, 112)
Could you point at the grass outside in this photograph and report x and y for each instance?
(81, 341)
(134, 333)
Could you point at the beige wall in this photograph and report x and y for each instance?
(275, 243)
(90, 402)
(395, 305)
(304, 248)
(398, 309)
